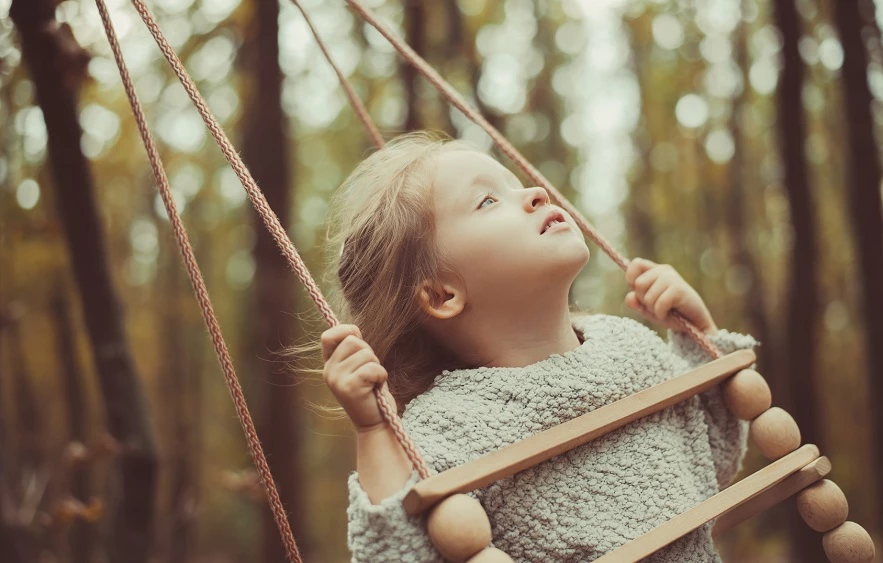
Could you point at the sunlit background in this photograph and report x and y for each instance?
(658, 119)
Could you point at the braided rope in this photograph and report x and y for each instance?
(453, 97)
(271, 221)
(199, 288)
(355, 102)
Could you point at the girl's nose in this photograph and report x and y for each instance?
(536, 196)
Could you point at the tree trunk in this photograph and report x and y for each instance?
(54, 59)
(16, 542)
(182, 423)
(415, 35)
(866, 10)
(466, 50)
(82, 534)
(641, 231)
(265, 149)
(29, 426)
(740, 253)
(735, 217)
(799, 371)
(863, 181)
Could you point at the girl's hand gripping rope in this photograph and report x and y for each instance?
(659, 288)
(351, 371)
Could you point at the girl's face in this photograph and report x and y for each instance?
(491, 229)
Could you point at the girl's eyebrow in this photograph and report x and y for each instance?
(488, 180)
(479, 179)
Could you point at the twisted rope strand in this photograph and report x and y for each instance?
(271, 221)
(355, 101)
(205, 305)
(453, 97)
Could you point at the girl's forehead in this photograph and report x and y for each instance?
(468, 158)
(459, 171)
(461, 175)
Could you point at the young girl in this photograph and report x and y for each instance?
(456, 278)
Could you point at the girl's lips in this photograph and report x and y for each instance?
(559, 227)
(555, 215)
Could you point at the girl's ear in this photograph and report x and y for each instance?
(441, 300)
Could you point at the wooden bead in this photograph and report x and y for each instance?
(491, 555)
(459, 527)
(747, 394)
(775, 433)
(848, 543)
(822, 505)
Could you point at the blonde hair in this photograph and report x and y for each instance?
(382, 237)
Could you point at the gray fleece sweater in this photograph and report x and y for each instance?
(586, 502)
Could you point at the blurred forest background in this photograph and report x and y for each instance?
(733, 139)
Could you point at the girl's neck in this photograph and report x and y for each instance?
(515, 337)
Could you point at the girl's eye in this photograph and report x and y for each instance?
(486, 197)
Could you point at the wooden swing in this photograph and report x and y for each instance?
(457, 524)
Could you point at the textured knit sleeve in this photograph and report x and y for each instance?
(727, 435)
(384, 531)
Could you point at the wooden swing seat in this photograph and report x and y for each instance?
(568, 435)
(738, 502)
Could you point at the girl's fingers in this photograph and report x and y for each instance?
(347, 347)
(371, 373)
(632, 301)
(357, 359)
(636, 267)
(664, 304)
(644, 281)
(651, 295)
(334, 337)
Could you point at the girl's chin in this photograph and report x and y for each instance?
(574, 257)
(560, 269)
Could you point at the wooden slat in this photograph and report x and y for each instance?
(814, 471)
(726, 500)
(566, 436)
